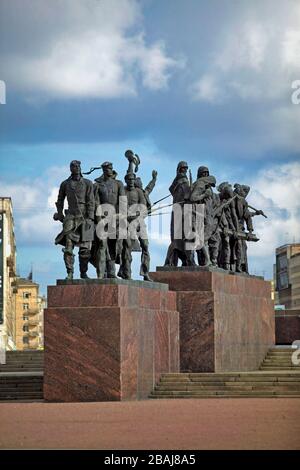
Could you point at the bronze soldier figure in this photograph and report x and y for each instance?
(107, 190)
(144, 244)
(136, 231)
(202, 193)
(244, 216)
(228, 225)
(180, 190)
(78, 220)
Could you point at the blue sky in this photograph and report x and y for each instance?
(204, 81)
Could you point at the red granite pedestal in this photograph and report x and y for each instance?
(108, 340)
(287, 326)
(226, 321)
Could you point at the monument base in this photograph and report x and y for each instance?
(108, 339)
(226, 321)
(287, 326)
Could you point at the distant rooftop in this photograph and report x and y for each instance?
(21, 281)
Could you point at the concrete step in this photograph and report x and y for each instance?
(280, 354)
(229, 375)
(279, 363)
(23, 396)
(276, 377)
(237, 390)
(20, 369)
(231, 393)
(193, 386)
(17, 363)
(277, 367)
(21, 385)
(281, 349)
(250, 395)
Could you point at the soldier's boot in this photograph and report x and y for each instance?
(227, 266)
(84, 257)
(145, 260)
(69, 263)
(214, 256)
(190, 259)
(238, 268)
(207, 261)
(101, 263)
(120, 272)
(111, 269)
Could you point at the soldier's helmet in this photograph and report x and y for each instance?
(225, 190)
(129, 176)
(75, 162)
(241, 189)
(246, 189)
(202, 171)
(106, 165)
(182, 164)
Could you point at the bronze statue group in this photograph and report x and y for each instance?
(87, 202)
(227, 222)
(226, 229)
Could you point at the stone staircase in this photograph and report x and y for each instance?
(21, 378)
(279, 358)
(277, 377)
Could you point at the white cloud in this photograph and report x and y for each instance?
(156, 66)
(244, 48)
(277, 192)
(90, 51)
(256, 55)
(33, 207)
(207, 89)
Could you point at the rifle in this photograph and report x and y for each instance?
(253, 208)
(248, 236)
(223, 205)
(261, 212)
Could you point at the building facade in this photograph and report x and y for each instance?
(29, 315)
(7, 275)
(287, 275)
(295, 280)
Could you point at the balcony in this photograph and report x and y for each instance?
(33, 334)
(32, 345)
(31, 311)
(33, 322)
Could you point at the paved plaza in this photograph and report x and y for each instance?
(272, 423)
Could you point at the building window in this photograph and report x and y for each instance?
(25, 328)
(25, 306)
(25, 340)
(26, 295)
(25, 317)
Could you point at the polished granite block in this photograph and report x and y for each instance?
(226, 321)
(287, 326)
(108, 341)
